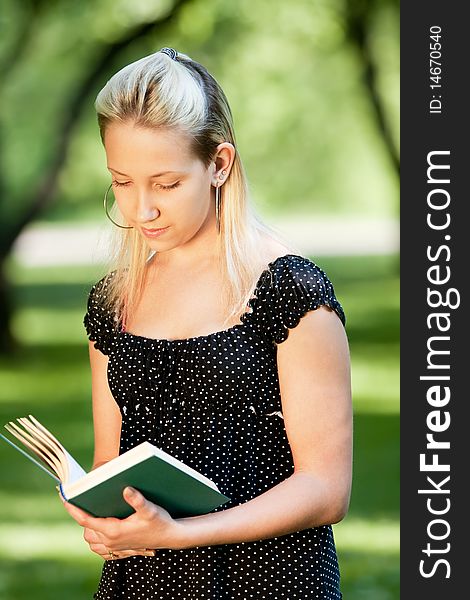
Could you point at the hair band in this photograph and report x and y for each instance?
(170, 51)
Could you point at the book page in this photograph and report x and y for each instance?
(41, 452)
(72, 470)
(46, 443)
(46, 447)
(36, 462)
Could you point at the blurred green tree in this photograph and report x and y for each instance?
(37, 197)
(311, 84)
(359, 16)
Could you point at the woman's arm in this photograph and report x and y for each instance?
(107, 423)
(106, 415)
(314, 377)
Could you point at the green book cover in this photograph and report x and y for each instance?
(161, 478)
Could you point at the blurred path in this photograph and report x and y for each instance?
(59, 244)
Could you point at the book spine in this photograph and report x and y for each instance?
(59, 487)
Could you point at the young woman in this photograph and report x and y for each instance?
(216, 341)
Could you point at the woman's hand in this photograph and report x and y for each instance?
(106, 553)
(149, 527)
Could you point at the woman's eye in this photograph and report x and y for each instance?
(118, 183)
(163, 187)
(170, 187)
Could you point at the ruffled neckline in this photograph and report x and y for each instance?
(216, 334)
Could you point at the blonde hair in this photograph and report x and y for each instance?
(157, 92)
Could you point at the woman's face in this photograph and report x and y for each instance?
(158, 184)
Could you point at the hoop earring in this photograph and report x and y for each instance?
(107, 213)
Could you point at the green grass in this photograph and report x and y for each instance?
(42, 552)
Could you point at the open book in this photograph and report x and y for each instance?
(160, 477)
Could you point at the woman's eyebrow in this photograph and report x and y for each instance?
(156, 174)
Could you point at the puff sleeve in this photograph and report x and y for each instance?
(297, 285)
(99, 322)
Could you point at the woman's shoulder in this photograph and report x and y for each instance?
(270, 249)
(100, 286)
(100, 322)
(294, 284)
(280, 258)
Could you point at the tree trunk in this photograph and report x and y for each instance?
(358, 18)
(8, 343)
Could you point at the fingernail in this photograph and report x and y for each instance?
(130, 491)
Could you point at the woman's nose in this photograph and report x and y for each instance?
(146, 209)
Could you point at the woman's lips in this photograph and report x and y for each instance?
(153, 233)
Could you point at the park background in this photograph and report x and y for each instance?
(314, 89)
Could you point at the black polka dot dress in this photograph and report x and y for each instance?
(213, 402)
